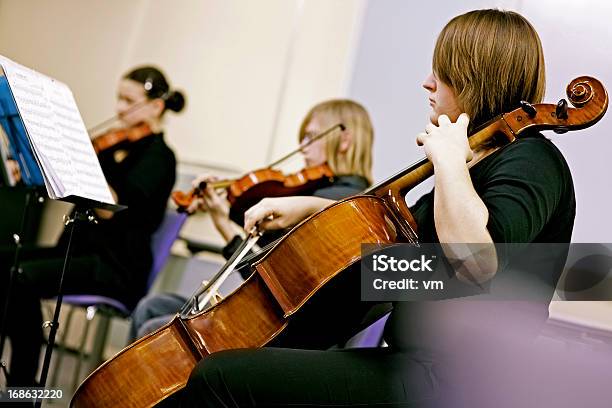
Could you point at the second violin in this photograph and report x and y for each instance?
(246, 191)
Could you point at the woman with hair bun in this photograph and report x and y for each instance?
(142, 83)
(113, 257)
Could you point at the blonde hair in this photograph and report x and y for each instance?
(492, 59)
(357, 160)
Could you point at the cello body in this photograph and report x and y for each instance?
(156, 366)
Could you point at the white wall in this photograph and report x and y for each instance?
(577, 40)
(394, 56)
(228, 55)
(250, 69)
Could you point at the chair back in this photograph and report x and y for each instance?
(162, 240)
(371, 336)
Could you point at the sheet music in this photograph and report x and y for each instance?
(59, 138)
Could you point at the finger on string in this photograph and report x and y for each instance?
(463, 120)
(420, 138)
(204, 178)
(443, 120)
(198, 181)
(208, 200)
(195, 205)
(270, 224)
(210, 191)
(254, 215)
(204, 206)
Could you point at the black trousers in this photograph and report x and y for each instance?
(276, 377)
(38, 278)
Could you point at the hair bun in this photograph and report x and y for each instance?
(176, 101)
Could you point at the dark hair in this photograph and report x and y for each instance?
(156, 86)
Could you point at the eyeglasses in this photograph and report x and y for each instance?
(307, 138)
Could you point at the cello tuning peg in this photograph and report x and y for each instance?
(529, 109)
(561, 110)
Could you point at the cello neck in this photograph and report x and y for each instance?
(586, 94)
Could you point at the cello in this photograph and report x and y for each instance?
(286, 278)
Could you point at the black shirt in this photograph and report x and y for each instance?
(342, 187)
(528, 190)
(143, 181)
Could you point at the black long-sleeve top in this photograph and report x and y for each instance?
(528, 190)
(143, 181)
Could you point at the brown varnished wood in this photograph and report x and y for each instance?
(320, 248)
(249, 317)
(251, 188)
(587, 94)
(278, 181)
(247, 190)
(339, 230)
(142, 366)
(119, 137)
(159, 364)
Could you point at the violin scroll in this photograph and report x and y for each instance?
(580, 91)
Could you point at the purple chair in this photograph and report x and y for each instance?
(106, 308)
(371, 336)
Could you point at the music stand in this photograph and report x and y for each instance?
(83, 212)
(58, 143)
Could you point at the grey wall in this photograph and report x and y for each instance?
(394, 56)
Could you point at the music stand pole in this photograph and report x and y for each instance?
(80, 214)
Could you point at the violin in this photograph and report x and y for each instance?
(117, 137)
(312, 257)
(246, 191)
